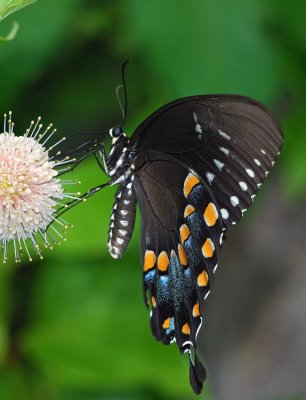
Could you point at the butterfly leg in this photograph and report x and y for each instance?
(104, 158)
(77, 155)
(83, 197)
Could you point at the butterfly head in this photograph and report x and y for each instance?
(115, 132)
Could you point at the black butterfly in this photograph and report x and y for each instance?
(193, 167)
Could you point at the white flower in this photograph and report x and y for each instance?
(30, 189)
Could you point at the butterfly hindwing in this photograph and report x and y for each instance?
(181, 231)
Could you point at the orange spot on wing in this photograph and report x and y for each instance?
(202, 279)
(149, 260)
(186, 329)
(153, 302)
(210, 214)
(189, 184)
(188, 210)
(166, 323)
(163, 261)
(182, 255)
(196, 310)
(208, 248)
(184, 233)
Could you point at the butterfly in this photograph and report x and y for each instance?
(193, 167)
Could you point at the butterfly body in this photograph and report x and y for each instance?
(120, 168)
(193, 167)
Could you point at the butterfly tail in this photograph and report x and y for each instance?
(197, 375)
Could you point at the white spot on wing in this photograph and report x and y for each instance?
(210, 177)
(198, 330)
(224, 150)
(224, 135)
(124, 223)
(219, 164)
(263, 151)
(243, 186)
(224, 213)
(257, 162)
(250, 172)
(205, 297)
(198, 128)
(234, 201)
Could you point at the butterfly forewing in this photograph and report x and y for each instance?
(230, 141)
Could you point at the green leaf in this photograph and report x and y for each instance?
(11, 35)
(8, 7)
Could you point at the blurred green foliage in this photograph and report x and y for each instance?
(11, 35)
(74, 326)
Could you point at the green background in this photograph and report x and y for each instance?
(74, 325)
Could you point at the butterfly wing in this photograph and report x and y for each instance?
(181, 232)
(230, 141)
(200, 161)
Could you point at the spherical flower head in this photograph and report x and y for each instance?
(30, 190)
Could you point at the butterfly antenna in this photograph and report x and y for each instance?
(123, 108)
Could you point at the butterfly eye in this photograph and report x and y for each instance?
(116, 131)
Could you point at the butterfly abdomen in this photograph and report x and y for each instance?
(122, 220)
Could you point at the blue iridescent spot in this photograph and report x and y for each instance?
(196, 224)
(163, 288)
(197, 194)
(171, 327)
(187, 273)
(149, 276)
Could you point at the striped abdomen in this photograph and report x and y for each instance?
(122, 220)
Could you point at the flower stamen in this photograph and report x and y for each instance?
(31, 190)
